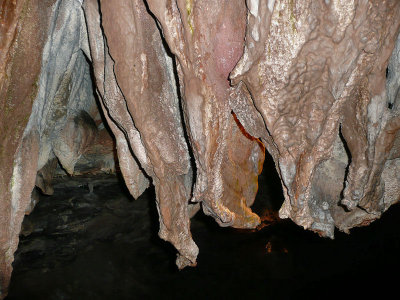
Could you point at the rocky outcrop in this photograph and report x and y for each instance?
(47, 107)
(316, 73)
(207, 41)
(140, 98)
(315, 83)
(22, 34)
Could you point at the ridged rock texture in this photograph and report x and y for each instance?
(194, 93)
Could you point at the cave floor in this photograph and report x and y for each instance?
(79, 244)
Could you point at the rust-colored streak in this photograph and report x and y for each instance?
(246, 134)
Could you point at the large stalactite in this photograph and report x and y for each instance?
(314, 83)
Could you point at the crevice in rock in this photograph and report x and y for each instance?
(349, 159)
(269, 197)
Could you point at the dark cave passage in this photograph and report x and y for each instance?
(119, 120)
(91, 240)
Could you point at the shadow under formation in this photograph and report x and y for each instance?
(91, 240)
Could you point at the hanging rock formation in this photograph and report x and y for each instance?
(318, 80)
(314, 83)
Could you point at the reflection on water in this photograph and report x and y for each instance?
(94, 242)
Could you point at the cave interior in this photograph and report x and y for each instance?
(180, 148)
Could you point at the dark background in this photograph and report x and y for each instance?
(104, 245)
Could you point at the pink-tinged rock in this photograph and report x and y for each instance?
(316, 70)
(140, 99)
(23, 27)
(315, 83)
(207, 38)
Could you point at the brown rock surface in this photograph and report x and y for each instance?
(315, 83)
(207, 37)
(320, 71)
(22, 34)
(74, 139)
(144, 107)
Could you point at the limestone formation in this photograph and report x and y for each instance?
(194, 92)
(318, 80)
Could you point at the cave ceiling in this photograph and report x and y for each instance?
(194, 94)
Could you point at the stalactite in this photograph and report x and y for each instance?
(313, 83)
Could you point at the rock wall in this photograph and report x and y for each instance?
(315, 83)
(23, 27)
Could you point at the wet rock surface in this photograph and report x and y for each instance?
(91, 240)
(189, 96)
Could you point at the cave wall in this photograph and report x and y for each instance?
(23, 29)
(314, 83)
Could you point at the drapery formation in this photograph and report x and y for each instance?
(194, 93)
